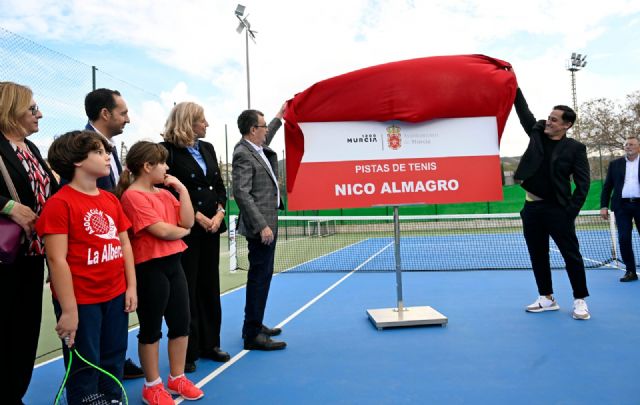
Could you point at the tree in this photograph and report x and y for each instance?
(603, 126)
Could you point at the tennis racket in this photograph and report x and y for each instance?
(84, 383)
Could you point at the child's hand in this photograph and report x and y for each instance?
(67, 326)
(130, 300)
(173, 182)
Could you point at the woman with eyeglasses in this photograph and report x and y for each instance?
(21, 299)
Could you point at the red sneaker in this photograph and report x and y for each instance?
(182, 386)
(156, 395)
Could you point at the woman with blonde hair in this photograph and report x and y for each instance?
(195, 164)
(21, 300)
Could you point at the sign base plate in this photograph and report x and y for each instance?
(409, 316)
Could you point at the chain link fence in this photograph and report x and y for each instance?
(60, 84)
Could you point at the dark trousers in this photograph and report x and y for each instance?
(625, 215)
(101, 338)
(201, 262)
(162, 293)
(541, 220)
(261, 259)
(21, 303)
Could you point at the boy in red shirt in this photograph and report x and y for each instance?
(90, 259)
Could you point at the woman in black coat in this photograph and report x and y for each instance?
(21, 299)
(195, 164)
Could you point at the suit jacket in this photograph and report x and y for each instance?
(206, 190)
(254, 189)
(569, 159)
(19, 175)
(614, 184)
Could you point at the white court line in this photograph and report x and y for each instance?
(240, 355)
(602, 264)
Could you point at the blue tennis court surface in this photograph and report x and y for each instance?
(491, 352)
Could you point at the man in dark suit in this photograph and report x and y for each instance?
(550, 210)
(108, 114)
(255, 188)
(623, 179)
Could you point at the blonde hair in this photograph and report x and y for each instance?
(178, 129)
(15, 100)
(140, 153)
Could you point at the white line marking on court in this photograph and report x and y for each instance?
(601, 263)
(240, 355)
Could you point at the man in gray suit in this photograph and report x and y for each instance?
(255, 188)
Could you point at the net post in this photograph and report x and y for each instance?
(612, 232)
(396, 234)
(233, 257)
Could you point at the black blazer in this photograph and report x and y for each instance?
(19, 175)
(569, 159)
(206, 190)
(614, 183)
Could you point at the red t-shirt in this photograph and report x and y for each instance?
(144, 209)
(92, 224)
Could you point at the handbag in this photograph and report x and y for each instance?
(11, 235)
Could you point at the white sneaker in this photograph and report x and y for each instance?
(580, 310)
(543, 304)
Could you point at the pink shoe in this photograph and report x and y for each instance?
(182, 386)
(156, 395)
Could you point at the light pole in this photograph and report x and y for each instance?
(246, 26)
(577, 62)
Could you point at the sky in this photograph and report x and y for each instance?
(172, 51)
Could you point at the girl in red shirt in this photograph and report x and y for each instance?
(160, 222)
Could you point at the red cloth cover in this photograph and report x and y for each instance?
(413, 90)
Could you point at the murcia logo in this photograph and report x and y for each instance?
(394, 137)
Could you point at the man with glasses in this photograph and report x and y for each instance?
(623, 179)
(256, 191)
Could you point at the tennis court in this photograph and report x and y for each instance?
(490, 352)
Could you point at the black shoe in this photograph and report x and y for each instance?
(216, 355)
(189, 367)
(629, 276)
(263, 342)
(271, 332)
(131, 370)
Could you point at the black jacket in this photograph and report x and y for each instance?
(19, 175)
(614, 184)
(569, 159)
(206, 191)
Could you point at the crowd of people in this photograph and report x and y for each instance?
(141, 235)
(145, 236)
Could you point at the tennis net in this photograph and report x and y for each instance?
(427, 243)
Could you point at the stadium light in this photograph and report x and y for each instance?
(245, 26)
(574, 64)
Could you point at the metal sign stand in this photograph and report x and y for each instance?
(401, 316)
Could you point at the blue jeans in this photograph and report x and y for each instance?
(101, 338)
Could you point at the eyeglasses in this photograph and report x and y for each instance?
(261, 126)
(34, 109)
